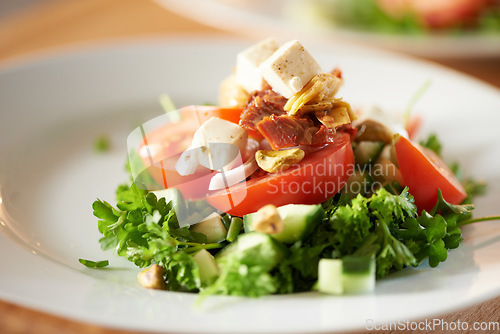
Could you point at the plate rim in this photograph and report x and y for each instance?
(27, 62)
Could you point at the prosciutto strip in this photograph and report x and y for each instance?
(262, 104)
(287, 131)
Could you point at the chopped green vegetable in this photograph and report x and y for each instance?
(432, 143)
(245, 266)
(358, 274)
(384, 227)
(145, 230)
(207, 266)
(235, 228)
(367, 15)
(94, 264)
(414, 99)
(102, 144)
(298, 221)
(330, 276)
(167, 103)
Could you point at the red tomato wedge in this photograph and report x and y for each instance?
(316, 178)
(166, 143)
(319, 176)
(424, 173)
(205, 112)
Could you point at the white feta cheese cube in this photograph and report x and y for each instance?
(248, 74)
(289, 69)
(216, 145)
(217, 130)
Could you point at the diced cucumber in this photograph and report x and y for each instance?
(367, 152)
(358, 274)
(330, 276)
(298, 220)
(255, 249)
(212, 227)
(350, 275)
(208, 268)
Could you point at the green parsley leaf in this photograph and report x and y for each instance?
(145, 230)
(94, 264)
(432, 143)
(240, 277)
(351, 225)
(102, 144)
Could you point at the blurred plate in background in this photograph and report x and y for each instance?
(298, 19)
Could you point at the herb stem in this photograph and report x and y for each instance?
(198, 247)
(234, 229)
(414, 99)
(477, 220)
(187, 243)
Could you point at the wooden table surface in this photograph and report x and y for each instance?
(57, 23)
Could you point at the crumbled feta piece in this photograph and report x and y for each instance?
(215, 145)
(217, 130)
(248, 74)
(289, 69)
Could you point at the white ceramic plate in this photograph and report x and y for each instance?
(53, 109)
(259, 18)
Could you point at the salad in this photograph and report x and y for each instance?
(403, 16)
(282, 187)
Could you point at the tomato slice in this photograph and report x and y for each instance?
(319, 176)
(205, 112)
(424, 173)
(162, 146)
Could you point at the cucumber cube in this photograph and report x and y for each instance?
(212, 227)
(330, 276)
(350, 275)
(207, 266)
(298, 220)
(358, 274)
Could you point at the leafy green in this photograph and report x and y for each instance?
(350, 225)
(387, 212)
(298, 272)
(246, 265)
(102, 144)
(432, 143)
(240, 278)
(386, 225)
(145, 230)
(431, 234)
(94, 264)
(367, 15)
